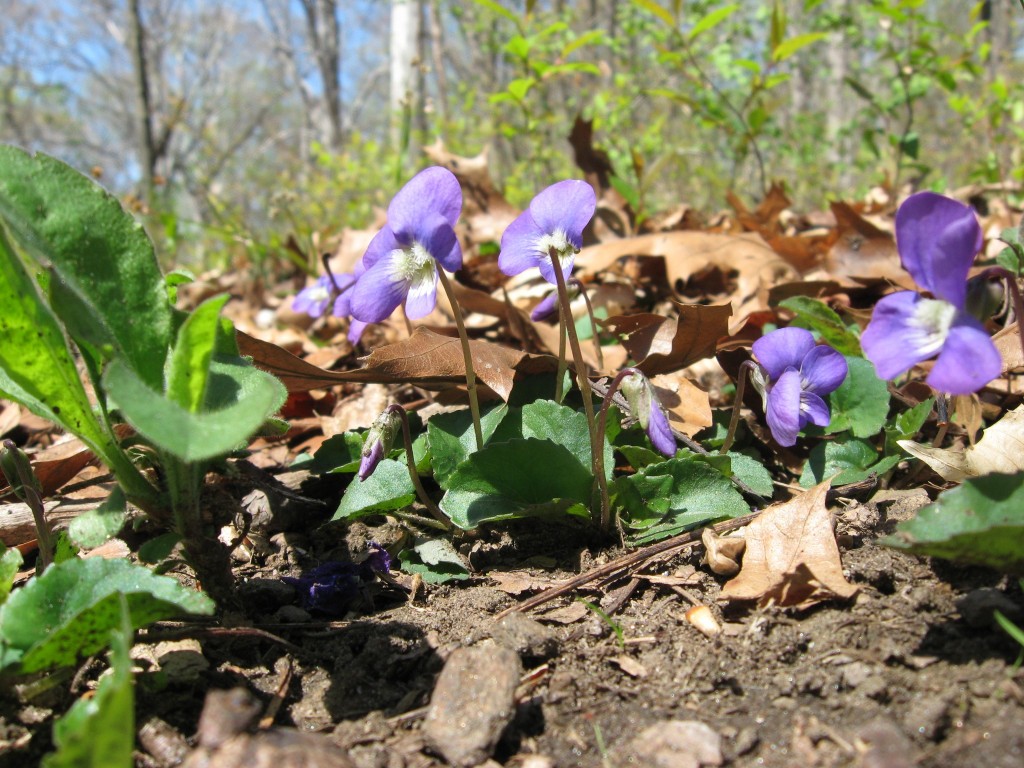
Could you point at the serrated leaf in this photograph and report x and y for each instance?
(239, 397)
(451, 439)
(388, 488)
(36, 367)
(712, 20)
(92, 528)
(69, 611)
(815, 315)
(861, 403)
(188, 369)
(979, 522)
(844, 461)
(664, 499)
(99, 731)
(517, 478)
(787, 48)
(106, 272)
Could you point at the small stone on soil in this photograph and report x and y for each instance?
(527, 637)
(472, 703)
(676, 744)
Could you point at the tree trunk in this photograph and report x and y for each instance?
(143, 105)
(325, 39)
(405, 38)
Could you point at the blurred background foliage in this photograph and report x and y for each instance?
(234, 126)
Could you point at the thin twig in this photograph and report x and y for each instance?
(628, 562)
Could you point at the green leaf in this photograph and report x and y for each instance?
(36, 368)
(548, 420)
(435, 560)
(517, 478)
(679, 494)
(906, 425)
(240, 397)
(787, 48)
(10, 562)
(111, 293)
(815, 315)
(338, 453)
(69, 611)
(451, 439)
(847, 460)
(388, 488)
(980, 522)
(99, 731)
(753, 473)
(92, 528)
(662, 13)
(861, 403)
(188, 369)
(498, 9)
(712, 20)
(519, 87)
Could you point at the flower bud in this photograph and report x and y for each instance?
(379, 439)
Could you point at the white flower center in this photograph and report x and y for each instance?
(415, 263)
(318, 293)
(559, 241)
(930, 325)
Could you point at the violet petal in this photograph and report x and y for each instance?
(968, 360)
(547, 307)
(783, 413)
(519, 245)
(938, 239)
(383, 243)
(823, 370)
(888, 341)
(368, 463)
(438, 237)
(355, 330)
(658, 429)
(813, 409)
(782, 349)
(432, 190)
(380, 290)
(422, 297)
(568, 206)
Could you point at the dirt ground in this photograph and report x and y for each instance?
(910, 672)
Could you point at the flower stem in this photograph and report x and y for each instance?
(413, 474)
(1014, 289)
(23, 482)
(741, 384)
(593, 324)
(596, 448)
(474, 405)
(602, 424)
(560, 378)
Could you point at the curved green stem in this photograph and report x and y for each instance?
(593, 323)
(602, 425)
(413, 474)
(474, 405)
(560, 380)
(596, 448)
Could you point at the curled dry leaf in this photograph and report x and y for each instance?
(426, 359)
(1001, 449)
(748, 268)
(689, 406)
(792, 558)
(667, 344)
(862, 249)
(1007, 341)
(722, 553)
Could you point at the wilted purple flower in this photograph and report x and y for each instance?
(334, 587)
(648, 410)
(379, 439)
(313, 299)
(555, 220)
(937, 239)
(794, 376)
(402, 259)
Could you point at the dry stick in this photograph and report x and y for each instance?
(414, 475)
(474, 405)
(593, 323)
(628, 561)
(596, 449)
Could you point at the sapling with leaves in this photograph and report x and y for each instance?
(76, 268)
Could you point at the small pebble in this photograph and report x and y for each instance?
(676, 744)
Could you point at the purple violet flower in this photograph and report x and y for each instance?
(795, 374)
(401, 261)
(937, 240)
(379, 439)
(313, 299)
(648, 410)
(334, 587)
(555, 220)
(548, 306)
(343, 304)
